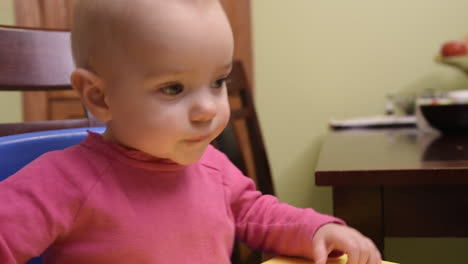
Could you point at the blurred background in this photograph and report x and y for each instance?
(318, 60)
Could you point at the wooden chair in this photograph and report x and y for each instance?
(242, 142)
(37, 60)
(40, 60)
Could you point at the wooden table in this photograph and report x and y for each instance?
(397, 182)
(290, 260)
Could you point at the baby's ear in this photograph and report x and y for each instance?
(92, 91)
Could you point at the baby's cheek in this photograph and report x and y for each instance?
(225, 114)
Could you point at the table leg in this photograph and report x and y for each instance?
(362, 208)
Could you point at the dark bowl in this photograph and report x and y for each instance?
(448, 119)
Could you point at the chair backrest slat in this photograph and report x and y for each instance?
(37, 60)
(34, 59)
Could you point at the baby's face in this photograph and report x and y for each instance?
(169, 98)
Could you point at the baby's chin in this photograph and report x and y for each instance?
(189, 157)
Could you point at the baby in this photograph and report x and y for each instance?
(151, 189)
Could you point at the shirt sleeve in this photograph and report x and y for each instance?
(36, 206)
(266, 224)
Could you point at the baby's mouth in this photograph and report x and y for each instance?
(198, 139)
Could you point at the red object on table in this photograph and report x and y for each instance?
(453, 48)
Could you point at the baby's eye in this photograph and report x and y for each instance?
(173, 89)
(219, 83)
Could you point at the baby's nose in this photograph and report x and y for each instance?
(203, 110)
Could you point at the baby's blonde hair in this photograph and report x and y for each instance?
(102, 30)
(95, 32)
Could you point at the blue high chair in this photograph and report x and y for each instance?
(18, 150)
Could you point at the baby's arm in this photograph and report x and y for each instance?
(35, 208)
(265, 223)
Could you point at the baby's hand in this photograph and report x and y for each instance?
(360, 249)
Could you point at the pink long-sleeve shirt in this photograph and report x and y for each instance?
(99, 203)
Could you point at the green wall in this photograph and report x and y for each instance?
(10, 102)
(317, 60)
